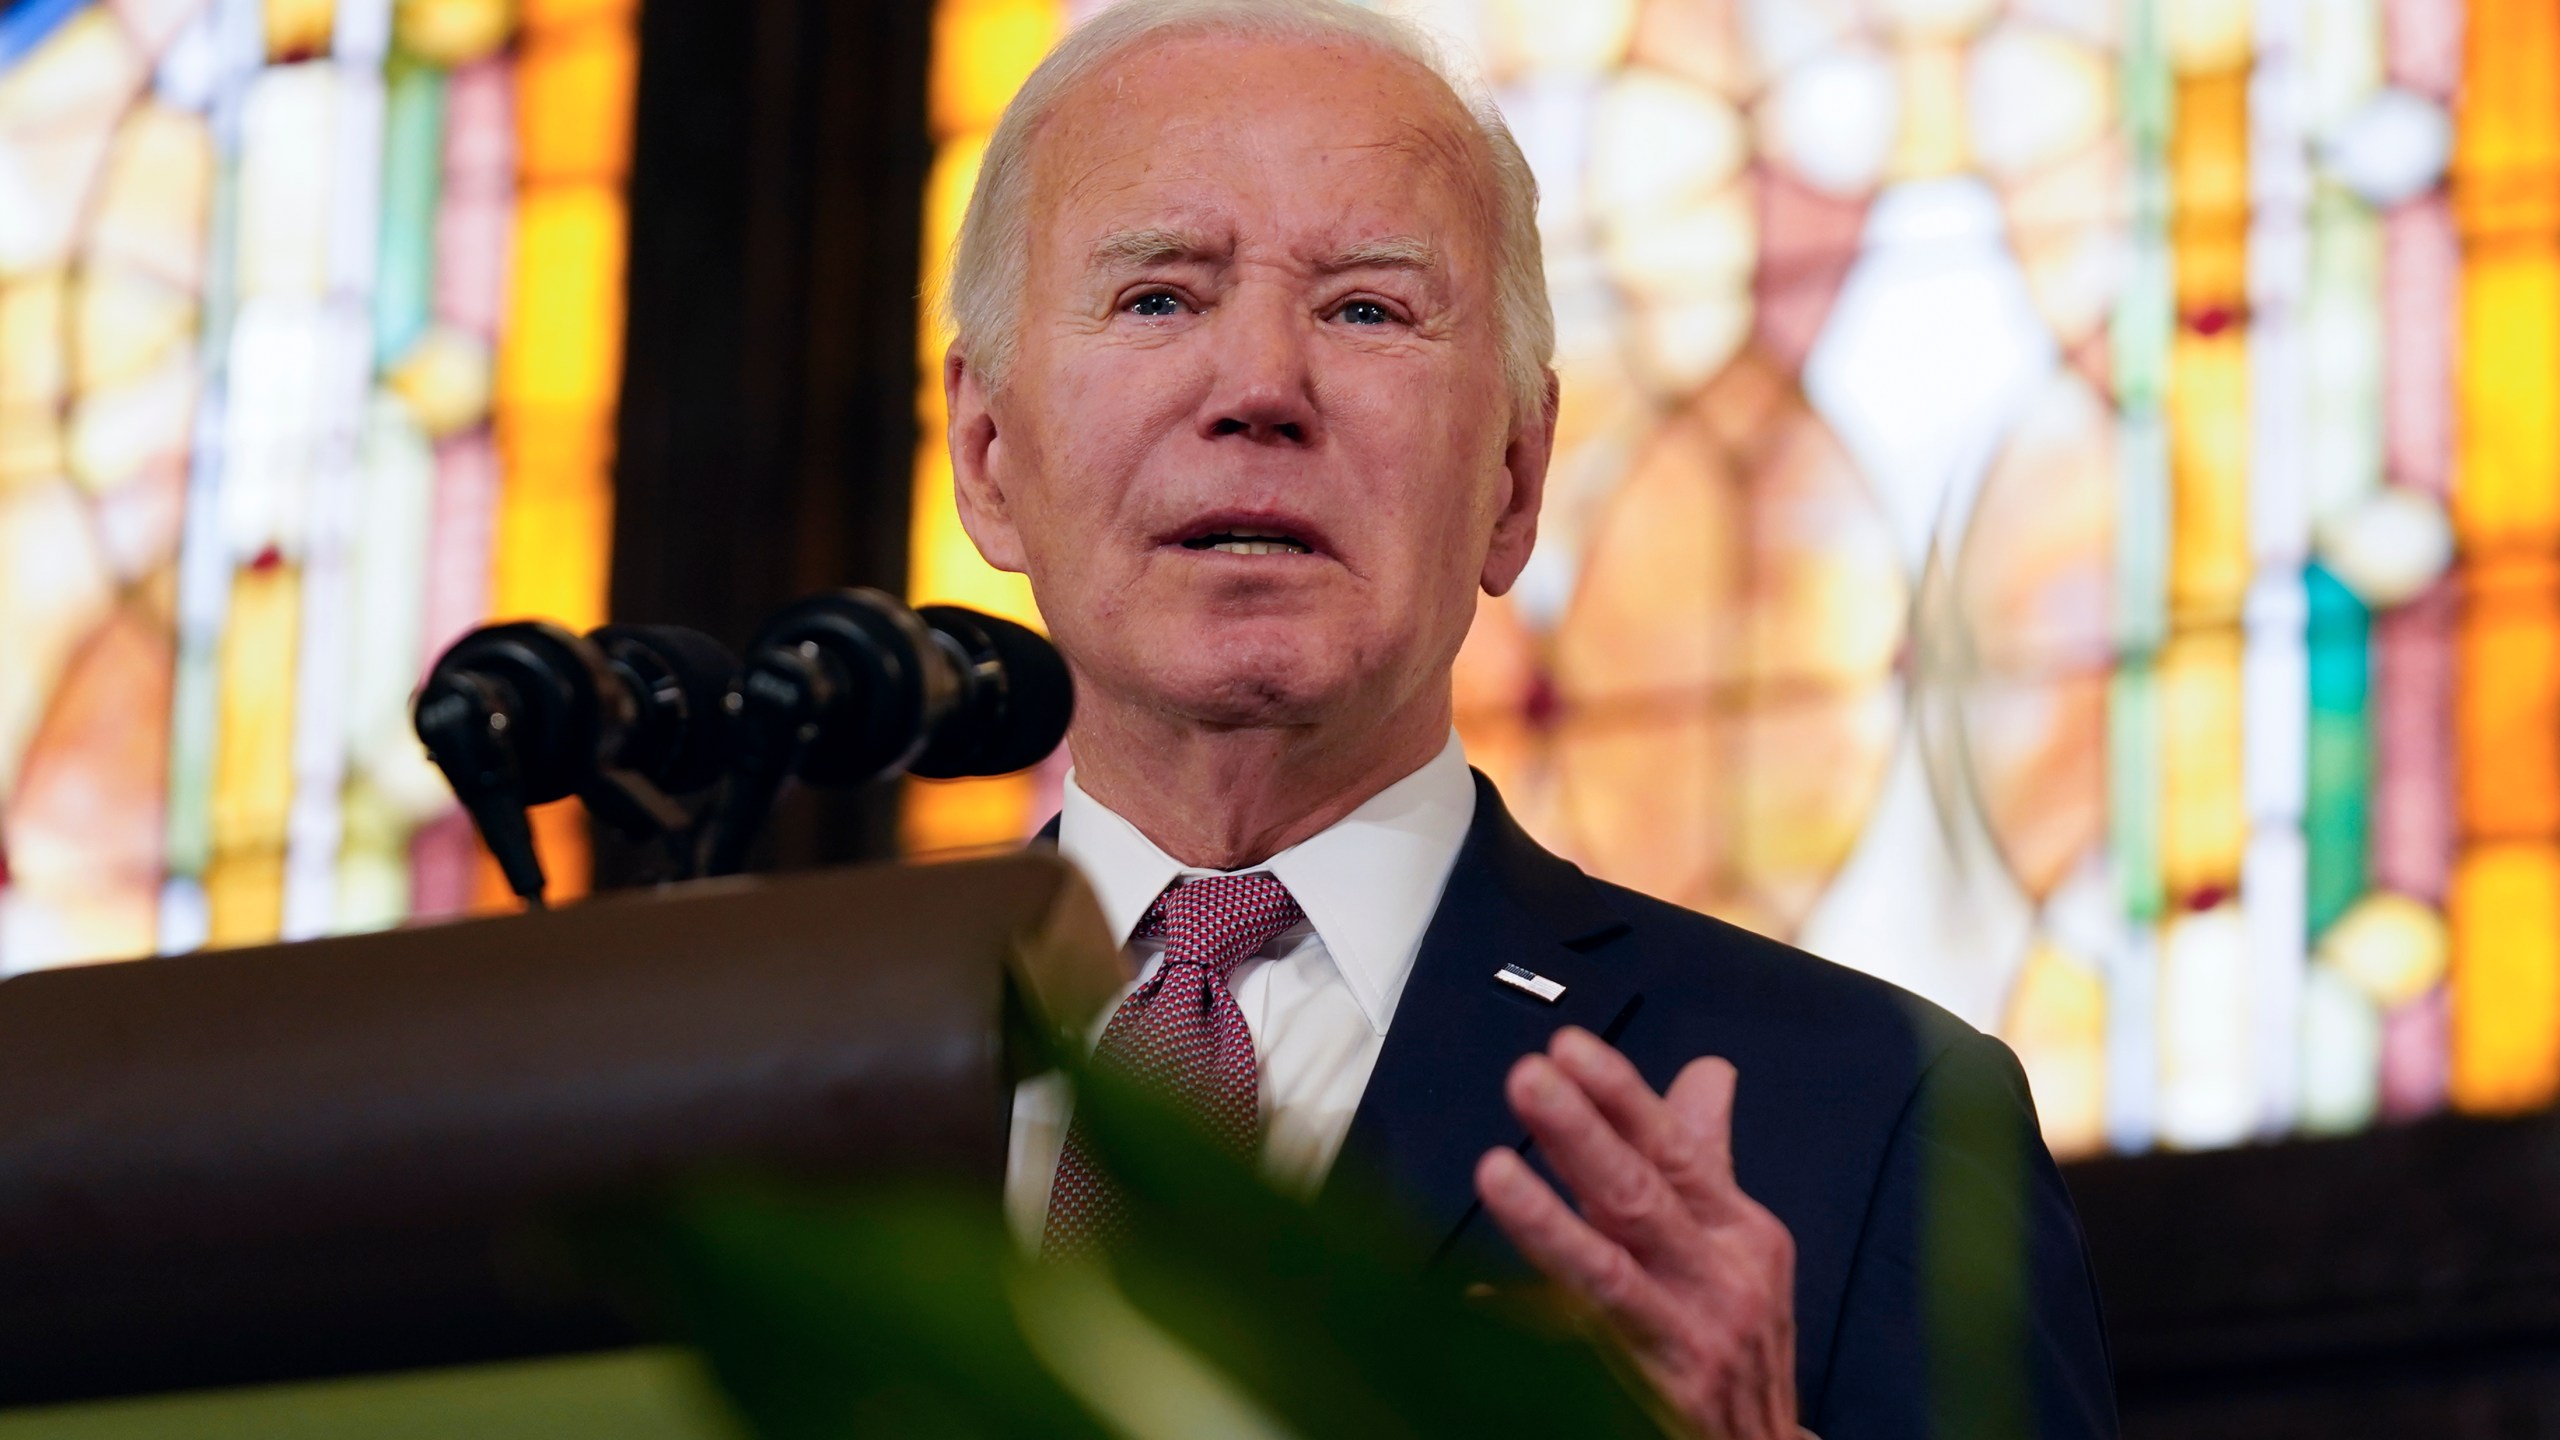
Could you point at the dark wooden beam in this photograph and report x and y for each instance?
(2401, 1282)
(768, 403)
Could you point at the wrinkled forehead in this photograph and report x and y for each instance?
(1289, 142)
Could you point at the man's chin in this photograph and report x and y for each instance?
(1254, 685)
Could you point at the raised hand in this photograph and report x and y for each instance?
(1696, 1278)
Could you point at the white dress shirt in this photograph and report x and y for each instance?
(1318, 999)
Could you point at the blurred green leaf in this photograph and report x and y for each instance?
(1232, 1310)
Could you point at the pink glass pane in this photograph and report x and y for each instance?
(479, 186)
(2421, 262)
(2422, 43)
(2415, 1057)
(2412, 718)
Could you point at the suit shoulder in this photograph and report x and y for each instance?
(1705, 960)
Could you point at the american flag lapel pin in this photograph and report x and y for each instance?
(1531, 981)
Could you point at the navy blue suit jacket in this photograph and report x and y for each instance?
(1941, 1285)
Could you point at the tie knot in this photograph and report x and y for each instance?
(1215, 921)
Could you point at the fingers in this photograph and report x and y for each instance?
(1622, 1192)
(1568, 1251)
(1701, 1098)
(1691, 1146)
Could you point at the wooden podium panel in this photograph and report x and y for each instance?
(326, 1157)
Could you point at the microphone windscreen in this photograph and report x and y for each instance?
(683, 677)
(1014, 717)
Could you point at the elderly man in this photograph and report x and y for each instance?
(1251, 381)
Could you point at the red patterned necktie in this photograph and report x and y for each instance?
(1183, 1032)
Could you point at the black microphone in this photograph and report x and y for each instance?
(849, 685)
(523, 713)
(511, 713)
(1015, 697)
(681, 679)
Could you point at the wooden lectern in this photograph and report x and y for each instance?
(324, 1158)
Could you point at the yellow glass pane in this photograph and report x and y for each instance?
(298, 29)
(563, 343)
(253, 755)
(943, 564)
(2506, 978)
(451, 32)
(572, 94)
(2506, 376)
(2506, 157)
(159, 182)
(946, 199)
(1933, 135)
(2207, 34)
(2507, 707)
(2209, 474)
(125, 323)
(939, 816)
(1646, 785)
(555, 527)
(2057, 1024)
(34, 371)
(2204, 823)
(982, 52)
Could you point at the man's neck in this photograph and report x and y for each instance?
(1223, 797)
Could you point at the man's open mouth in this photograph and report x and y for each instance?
(1248, 542)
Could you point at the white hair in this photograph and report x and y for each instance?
(989, 258)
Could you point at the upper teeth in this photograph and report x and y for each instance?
(1248, 542)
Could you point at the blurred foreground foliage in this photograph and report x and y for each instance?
(1234, 1310)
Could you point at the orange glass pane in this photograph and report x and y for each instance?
(2204, 823)
(85, 819)
(2506, 978)
(938, 816)
(540, 16)
(568, 860)
(562, 85)
(2507, 372)
(2506, 156)
(1659, 612)
(2507, 701)
(2209, 188)
(253, 755)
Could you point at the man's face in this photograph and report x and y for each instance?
(1255, 449)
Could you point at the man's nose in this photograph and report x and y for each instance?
(1262, 387)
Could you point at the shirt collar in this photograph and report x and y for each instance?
(1369, 883)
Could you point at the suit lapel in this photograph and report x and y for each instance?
(1434, 1104)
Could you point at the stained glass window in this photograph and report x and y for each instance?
(2058, 505)
(310, 327)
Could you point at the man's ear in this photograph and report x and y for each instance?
(1524, 481)
(978, 456)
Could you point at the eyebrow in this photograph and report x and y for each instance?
(1393, 252)
(1137, 249)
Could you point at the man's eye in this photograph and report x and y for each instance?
(1155, 305)
(1364, 312)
